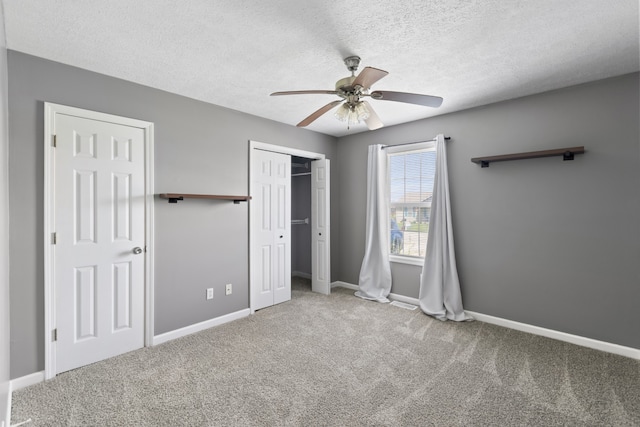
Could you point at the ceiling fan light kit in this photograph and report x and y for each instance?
(351, 89)
(352, 114)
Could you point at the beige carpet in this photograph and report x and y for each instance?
(343, 361)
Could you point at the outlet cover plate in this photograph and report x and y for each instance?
(210, 293)
(228, 289)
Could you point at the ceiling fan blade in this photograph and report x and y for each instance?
(410, 98)
(318, 113)
(368, 77)
(373, 122)
(305, 92)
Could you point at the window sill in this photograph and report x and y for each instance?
(406, 260)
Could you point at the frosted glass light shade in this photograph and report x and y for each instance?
(352, 114)
(362, 112)
(342, 113)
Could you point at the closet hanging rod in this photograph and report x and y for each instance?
(299, 221)
(446, 138)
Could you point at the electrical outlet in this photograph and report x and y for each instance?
(228, 289)
(210, 293)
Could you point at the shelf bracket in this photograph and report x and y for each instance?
(567, 155)
(175, 199)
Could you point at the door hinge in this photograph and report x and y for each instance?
(54, 335)
(55, 141)
(54, 238)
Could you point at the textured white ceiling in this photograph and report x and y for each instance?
(234, 53)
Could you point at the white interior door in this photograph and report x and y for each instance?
(99, 209)
(320, 231)
(271, 229)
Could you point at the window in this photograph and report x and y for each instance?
(411, 174)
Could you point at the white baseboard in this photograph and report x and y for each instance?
(188, 330)
(524, 327)
(26, 381)
(301, 274)
(557, 335)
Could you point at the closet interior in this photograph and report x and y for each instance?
(301, 218)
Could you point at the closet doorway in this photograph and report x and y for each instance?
(307, 229)
(301, 217)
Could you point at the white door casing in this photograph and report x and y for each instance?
(320, 230)
(271, 219)
(255, 148)
(99, 205)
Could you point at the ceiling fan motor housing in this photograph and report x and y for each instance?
(345, 84)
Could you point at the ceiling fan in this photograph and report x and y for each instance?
(352, 89)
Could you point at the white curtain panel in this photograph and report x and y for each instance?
(439, 284)
(375, 274)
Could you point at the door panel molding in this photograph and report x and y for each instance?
(84, 147)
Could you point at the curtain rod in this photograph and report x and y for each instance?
(446, 138)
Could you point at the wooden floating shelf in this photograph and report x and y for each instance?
(174, 197)
(566, 153)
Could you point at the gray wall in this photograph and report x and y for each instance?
(545, 242)
(4, 230)
(301, 234)
(199, 148)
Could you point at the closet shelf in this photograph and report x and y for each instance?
(566, 153)
(174, 197)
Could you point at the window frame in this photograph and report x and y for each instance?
(404, 149)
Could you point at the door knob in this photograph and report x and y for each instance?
(281, 237)
(137, 250)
